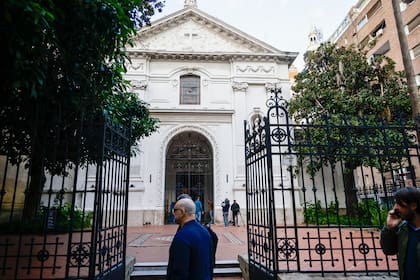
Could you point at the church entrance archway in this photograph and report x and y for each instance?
(189, 169)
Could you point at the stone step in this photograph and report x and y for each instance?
(157, 270)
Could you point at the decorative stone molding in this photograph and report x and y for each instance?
(271, 86)
(190, 70)
(255, 69)
(138, 84)
(136, 66)
(237, 86)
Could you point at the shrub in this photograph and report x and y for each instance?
(369, 213)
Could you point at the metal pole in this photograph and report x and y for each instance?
(408, 65)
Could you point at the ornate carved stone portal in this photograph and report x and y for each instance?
(189, 169)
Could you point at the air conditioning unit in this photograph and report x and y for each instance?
(379, 32)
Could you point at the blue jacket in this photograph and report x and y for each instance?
(190, 253)
(198, 206)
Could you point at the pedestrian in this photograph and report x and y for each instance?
(190, 253)
(235, 208)
(210, 207)
(198, 209)
(401, 233)
(225, 209)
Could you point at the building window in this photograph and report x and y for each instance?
(383, 49)
(374, 9)
(190, 89)
(415, 52)
(364, 42)
(404, 4)
(379, 30)
(362, 22)
(413, 24)
(369, 14)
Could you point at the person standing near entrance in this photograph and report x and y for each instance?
(190, 253)
(401, 233)
(198, 209)
(225, 210)
(235, 211)
(210, 207)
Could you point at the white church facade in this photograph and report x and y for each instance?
(202, 79)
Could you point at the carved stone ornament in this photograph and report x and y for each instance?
(137, 66)
(271, 86)
(239, 86)
(190, 70)
(139, 84)
(255, 69)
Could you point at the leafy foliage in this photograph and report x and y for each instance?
(340, 81)
(351, 112)
(369, 213)
(57, 219)
(62, 67)
(348, 102)
(62, 70)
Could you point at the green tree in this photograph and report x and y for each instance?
(62, 65)
(340, 88)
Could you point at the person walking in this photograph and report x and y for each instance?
(235, 208)
(401, 233)
(190, 253)
(225, 211)
(210, 207)
(198, 209)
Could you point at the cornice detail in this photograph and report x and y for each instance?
(249, 57)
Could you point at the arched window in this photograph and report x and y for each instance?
(190, 89)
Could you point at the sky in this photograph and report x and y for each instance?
(283, 24)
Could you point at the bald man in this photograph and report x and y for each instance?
(191, 248)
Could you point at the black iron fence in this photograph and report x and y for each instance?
(63, 211)
(318, 192)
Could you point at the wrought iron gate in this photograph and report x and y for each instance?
(78, 229)
(316, 197)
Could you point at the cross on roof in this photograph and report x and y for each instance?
(190, 3)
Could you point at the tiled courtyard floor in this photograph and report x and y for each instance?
(151, 243)
(360, 248)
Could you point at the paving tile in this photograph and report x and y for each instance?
(151, 243)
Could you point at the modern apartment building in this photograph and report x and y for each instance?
(370, 26)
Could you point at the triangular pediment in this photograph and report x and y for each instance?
(193, 31)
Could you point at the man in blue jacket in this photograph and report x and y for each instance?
(191, 249)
